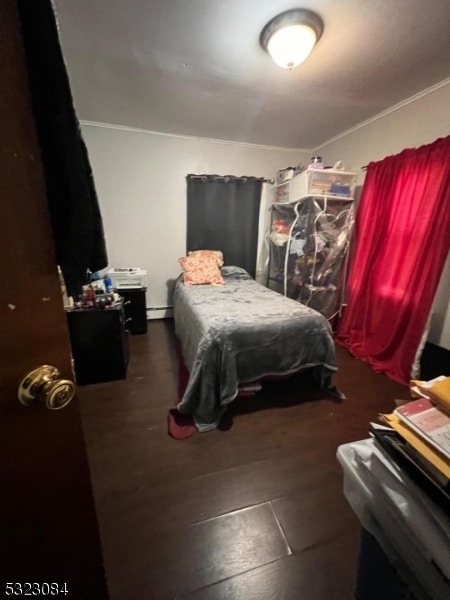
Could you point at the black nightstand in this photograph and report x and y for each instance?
(99, 343)
(135, 309)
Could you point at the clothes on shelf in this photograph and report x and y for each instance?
(309, 242)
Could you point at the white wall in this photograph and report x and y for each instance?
(440, 313)
(140, 180)
(418, 121)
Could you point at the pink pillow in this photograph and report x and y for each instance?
(217, 254)
(200, 270)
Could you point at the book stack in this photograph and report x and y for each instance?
(416, 436)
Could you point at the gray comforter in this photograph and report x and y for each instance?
(241, 332)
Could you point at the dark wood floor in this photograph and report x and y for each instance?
(252, 512)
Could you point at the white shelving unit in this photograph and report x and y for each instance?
(309, 237)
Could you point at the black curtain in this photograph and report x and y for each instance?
(223, 214)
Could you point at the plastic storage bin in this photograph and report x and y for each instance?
(325, 182)
(319, 183)
(415, 569)
(376, 577)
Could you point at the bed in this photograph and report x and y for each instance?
(243, 332)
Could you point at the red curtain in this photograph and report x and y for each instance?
(402, 241)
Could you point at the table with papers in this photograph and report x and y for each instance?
(412, 530)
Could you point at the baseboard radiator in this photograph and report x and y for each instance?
(159, 312)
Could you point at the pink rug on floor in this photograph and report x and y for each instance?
(180, 426)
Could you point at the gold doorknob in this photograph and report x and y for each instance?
(43, 384)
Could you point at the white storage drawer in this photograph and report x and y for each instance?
(281, 193)
(325, 182)
(318, 183)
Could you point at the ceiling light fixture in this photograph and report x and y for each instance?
(290, 37)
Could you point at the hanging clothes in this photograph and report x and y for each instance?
(74, 211)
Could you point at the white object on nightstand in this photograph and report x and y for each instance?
(128, 278)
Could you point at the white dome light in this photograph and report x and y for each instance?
(290, 37)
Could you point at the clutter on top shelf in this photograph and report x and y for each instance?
(285, 174)
(316, 163)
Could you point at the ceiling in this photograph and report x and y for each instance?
(195, 67)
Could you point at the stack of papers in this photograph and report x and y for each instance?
(437, 390)
(428, 421)
(422, 430)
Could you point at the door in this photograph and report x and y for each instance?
(48, 524)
